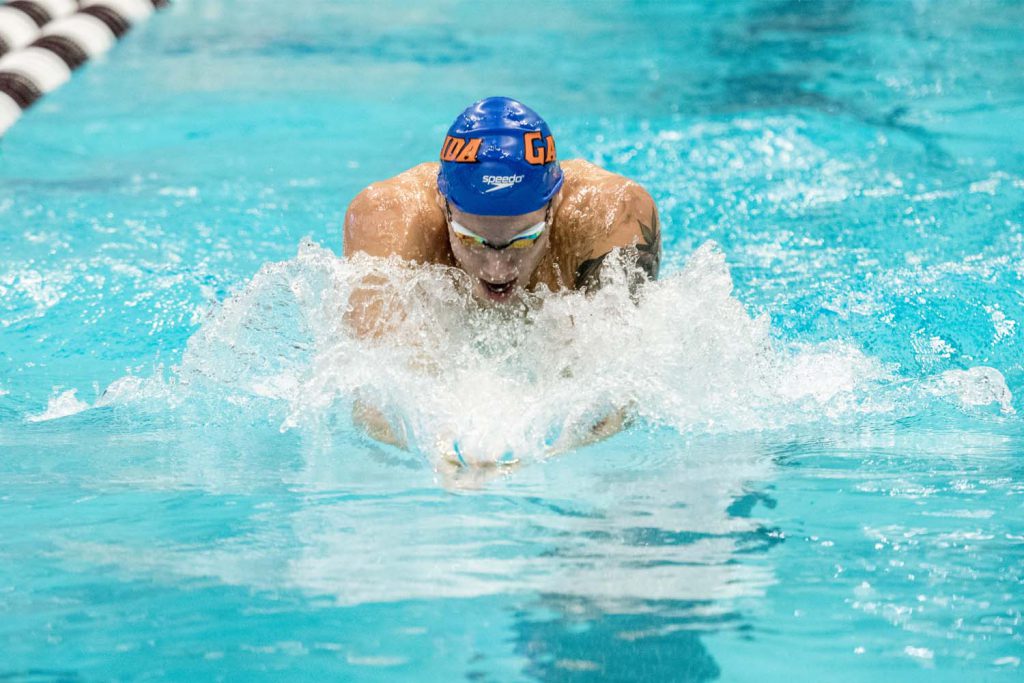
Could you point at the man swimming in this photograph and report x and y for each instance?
(501, 207)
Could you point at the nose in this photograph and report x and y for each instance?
(498, 266)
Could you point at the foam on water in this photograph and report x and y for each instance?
(62, 405)
(528, 380)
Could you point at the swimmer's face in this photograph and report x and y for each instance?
(498, 272)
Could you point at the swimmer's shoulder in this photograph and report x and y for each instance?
(589, 185)
(601, 211)
(399, 216)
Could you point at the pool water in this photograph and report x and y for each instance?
(823, 478)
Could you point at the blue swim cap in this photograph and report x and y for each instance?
(498, 159)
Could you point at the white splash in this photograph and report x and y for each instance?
(523, 381)
(978, 386)
(62, 405)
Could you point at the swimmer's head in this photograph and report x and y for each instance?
(498, 159)
(499, 185)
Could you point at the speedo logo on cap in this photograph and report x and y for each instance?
(501, 182)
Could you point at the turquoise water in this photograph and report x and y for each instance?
(824, 477)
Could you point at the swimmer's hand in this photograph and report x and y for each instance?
(609, 425)
(377, 426)
(372, 421)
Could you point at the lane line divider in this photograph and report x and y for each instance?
(21, 21)
(43, 41)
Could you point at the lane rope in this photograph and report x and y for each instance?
(43, 41)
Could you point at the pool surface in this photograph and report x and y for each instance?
(824, 479)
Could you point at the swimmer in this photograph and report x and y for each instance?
(501, 207)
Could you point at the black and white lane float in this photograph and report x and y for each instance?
(43, 41)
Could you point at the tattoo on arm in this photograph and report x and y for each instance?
(650, 248)
(587, 273)
(648, 257)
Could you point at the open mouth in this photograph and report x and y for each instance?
(499, 289)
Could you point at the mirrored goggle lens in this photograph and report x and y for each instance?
(521, 241)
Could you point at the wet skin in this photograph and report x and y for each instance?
(594, 213)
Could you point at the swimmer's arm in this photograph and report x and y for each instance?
(398, 217)
(371, 227)
(394, 217)
(367, 230)
(610, 425)
(378, 224)
(372, 421)
(636, 229)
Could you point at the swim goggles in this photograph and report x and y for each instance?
(527, 238)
